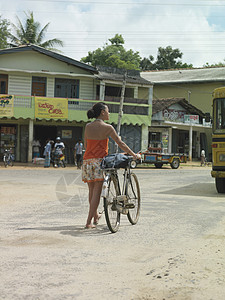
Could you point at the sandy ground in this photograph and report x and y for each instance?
(176, 251)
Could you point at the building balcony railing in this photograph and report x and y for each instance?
(138, 109)
(131, 105)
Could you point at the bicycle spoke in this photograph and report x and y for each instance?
(111, 214)
(133, 195)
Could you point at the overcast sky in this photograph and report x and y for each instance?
(196, 27)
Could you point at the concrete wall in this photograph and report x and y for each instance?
(200, 94)
(34, 61)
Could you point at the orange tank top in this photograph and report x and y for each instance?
(96, 148)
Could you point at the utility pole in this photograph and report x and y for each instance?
(189, 96)
(120, 114)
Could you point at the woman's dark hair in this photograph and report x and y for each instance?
(96, 110)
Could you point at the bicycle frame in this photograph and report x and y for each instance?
(122, 197)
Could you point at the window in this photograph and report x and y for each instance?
(3, 84)
(38, 86)
(67, 88)
(220, 114)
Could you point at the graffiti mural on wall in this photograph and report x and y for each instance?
(174, 115)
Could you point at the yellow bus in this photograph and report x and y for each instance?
(218, 139)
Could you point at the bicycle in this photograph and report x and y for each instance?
(119, 199)
(8, 158)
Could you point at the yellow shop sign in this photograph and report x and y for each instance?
(51, 108)
(6, 105)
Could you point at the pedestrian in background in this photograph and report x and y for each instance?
(203, 157)
(36, 148)
(47, 153)
(78, 153)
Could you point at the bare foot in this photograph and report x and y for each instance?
(89, 226)
(96, 220)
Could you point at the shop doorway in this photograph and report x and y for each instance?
(180, 141)
(43, 133)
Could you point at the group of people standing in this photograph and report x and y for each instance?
(52, 147)
(58, 148)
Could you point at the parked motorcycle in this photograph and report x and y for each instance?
(59, 159)
(8, 158)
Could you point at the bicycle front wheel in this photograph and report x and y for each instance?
(133, 197)
(112, 216)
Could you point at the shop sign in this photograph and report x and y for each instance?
(6, 105)
(173, 115)
(8, 130)
(51, 108)
(67, 134)
(193, 119)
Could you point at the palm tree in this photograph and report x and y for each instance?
(31, 33)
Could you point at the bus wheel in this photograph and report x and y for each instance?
(220, 185)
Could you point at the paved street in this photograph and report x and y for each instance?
(176, 251)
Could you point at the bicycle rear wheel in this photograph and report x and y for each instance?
(112, 216)
(133, 197)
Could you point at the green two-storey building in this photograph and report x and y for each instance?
(44, 94)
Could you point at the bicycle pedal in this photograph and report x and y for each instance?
(129, 205)
(114, 208)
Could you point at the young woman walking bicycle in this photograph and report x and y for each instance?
(96, 139)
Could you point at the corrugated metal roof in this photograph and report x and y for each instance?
(117, 75)
(161, 104)
(51, 54)
(186, 75)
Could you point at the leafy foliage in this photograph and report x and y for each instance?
(4, 33)
(114, 55)
(220, 64)
(167, 58)
(31, 33)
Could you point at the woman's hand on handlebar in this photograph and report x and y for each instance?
(137, 156)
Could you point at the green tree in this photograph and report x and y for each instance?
(167, 58)
(219, 64)
(147, 63)
(31, 33)
(114, 55)
(4, 33)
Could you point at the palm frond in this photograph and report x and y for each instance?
(31, 33)
(51, 43)
(42, 33)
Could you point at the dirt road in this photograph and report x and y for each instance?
(176, 251)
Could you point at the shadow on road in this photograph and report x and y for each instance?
(196, 189)
(76, 230)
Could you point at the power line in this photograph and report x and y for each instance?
(116, 14)
(141, 32)
(129, 3)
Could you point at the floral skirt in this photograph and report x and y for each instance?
(91, 170)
